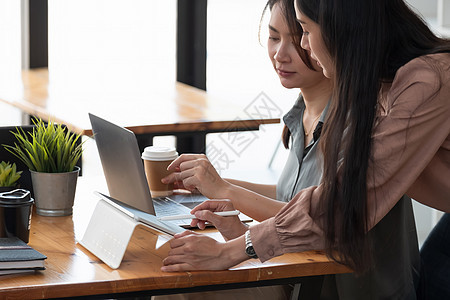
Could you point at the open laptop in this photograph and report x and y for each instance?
(125, 175)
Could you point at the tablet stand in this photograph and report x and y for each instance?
(108, 233)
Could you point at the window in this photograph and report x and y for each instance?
(131, 42)
(238, 65)
(238, 70)
(10, 58)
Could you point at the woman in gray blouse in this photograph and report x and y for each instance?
(295, 70)
(300, 135)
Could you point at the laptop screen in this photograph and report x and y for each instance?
(122, 164)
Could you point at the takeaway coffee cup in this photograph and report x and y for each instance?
(15, 214)
(156, 160)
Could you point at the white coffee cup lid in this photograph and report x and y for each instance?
(159, 153)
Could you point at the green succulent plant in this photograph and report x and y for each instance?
(8, 174)
(49, 148)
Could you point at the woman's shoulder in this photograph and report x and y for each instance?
(425, 67)
(427, 75)
(291, 118)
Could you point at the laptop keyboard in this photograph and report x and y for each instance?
(166, 207)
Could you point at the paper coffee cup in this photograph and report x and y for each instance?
(15, 214)
(156, 160)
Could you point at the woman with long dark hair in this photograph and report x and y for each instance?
(401, 95)
(387, 135)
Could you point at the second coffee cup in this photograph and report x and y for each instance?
(156, 160)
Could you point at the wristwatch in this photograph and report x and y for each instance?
(249, 250)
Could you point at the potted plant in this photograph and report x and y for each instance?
(51, 153)
(8, 176)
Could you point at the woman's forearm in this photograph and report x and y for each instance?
(255, 205)
(268, 190)
(234, 251)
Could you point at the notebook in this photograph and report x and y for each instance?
(125, 176)
(16, 256)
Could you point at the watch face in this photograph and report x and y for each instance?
(251, 252)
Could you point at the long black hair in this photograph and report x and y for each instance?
(368, 40)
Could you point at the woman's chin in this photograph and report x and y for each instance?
(288, 84)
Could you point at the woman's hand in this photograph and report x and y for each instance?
(194, 172)
(193, 251)
(230, 227)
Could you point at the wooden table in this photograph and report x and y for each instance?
(72, 271)
(149, 108)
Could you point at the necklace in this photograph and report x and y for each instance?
(312, 125)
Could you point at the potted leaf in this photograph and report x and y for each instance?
(51, 153)
(8, 176)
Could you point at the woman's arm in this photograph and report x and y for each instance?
(255, 205)
(411, 140)
(195, 172)
(268, 190)
(410, 155)
(411, 135)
